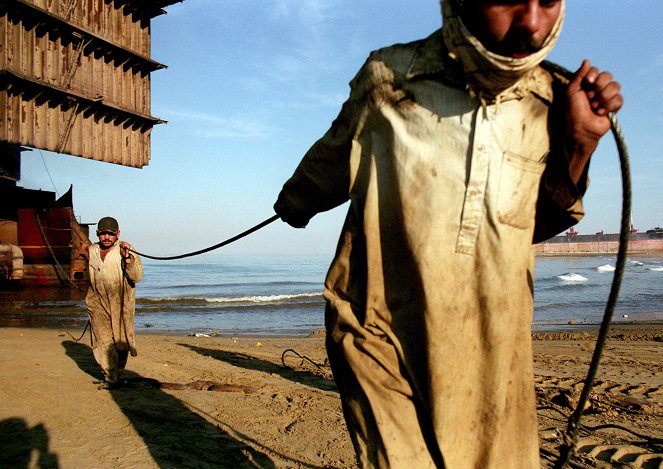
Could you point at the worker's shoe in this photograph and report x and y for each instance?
(107, 385)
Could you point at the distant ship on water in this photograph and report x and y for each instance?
(574, 243)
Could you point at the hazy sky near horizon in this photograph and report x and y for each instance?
(251, 85)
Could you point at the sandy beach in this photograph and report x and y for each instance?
(232, 402)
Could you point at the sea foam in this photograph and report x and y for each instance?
(261, 298)
(572, 277)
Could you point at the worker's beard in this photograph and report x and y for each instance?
(489, 73)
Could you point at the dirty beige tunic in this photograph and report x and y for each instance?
(429, 296)
(110, 302)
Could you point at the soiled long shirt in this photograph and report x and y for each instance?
(111, 297)
(435, 256)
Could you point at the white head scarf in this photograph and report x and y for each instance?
(488, 73)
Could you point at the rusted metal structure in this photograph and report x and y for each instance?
(74, 79)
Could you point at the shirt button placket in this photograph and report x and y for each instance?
(474, 193)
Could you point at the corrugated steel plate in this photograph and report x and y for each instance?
(77, 77)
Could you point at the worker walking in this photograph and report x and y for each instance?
(114, 272)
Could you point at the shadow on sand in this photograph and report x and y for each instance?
(23, 447)
(252, 363)
(174, 435)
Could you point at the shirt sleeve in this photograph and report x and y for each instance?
(322, 179)
(559, 204)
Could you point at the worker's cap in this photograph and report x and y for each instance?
(108, 225)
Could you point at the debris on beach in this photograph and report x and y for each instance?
(199, 385)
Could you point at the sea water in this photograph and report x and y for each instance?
(238, 294)
(576, 290)
(281, 295)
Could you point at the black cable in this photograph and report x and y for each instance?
(87, 324)
(648, 439)
(211, 248)
(570, 436)
(303, 357)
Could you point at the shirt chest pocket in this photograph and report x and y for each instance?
(519, 189)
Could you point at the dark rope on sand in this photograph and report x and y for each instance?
(211, 248)
(303, 357)
(571, 434)
(650, 440)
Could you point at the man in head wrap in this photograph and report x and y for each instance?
(110, 300)
(456, 152)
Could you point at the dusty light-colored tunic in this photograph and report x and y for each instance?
(429, 296)
(110, 302)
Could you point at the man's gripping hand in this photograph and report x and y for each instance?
(590, 96)
(125, 250)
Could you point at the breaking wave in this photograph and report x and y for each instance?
(263, 298)
(572, 277)
(233, 299)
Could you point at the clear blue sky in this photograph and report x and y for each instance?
(250, 85)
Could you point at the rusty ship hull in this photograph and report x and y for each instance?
(48, 245)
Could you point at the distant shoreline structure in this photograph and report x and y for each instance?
(573, 243)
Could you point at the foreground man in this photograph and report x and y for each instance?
(455, 152)
(110, 300)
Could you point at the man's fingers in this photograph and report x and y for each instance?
(579, 76)
(602, 92)
(602, 80)
(606, 95)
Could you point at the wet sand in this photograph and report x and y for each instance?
(270, 402)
